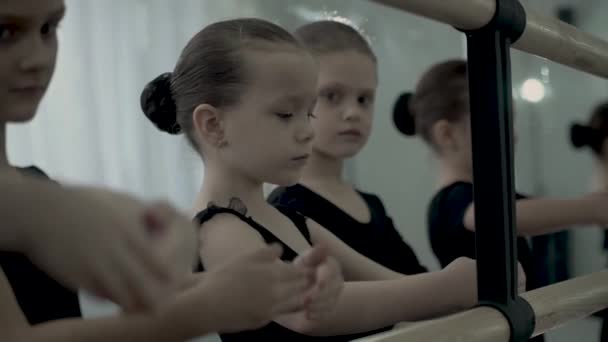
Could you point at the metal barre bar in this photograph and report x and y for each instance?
(544, 36)
(553, 305)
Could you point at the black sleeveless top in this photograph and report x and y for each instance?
(377, 239)
(40, 297)
(273, 331)
(450, 239)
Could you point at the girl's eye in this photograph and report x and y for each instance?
(284, 116)
(7, 32)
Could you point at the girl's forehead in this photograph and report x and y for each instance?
(290, 75)
(26, 11)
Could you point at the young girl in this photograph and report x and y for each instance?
(346, 89)
(29, 299)
(439, 112)
(243, 92)
(594, 136)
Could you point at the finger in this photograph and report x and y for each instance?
(328, 274)
(325, 273)
(290, 273)
(296, 289)
(291, 305)
(322, 297)
(293, 296)
(312, 257)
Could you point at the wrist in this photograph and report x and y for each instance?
(594, 208)
(183, 315)
(456, 297)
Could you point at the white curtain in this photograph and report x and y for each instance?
(89, 128)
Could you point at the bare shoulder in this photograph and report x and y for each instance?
(226, 236)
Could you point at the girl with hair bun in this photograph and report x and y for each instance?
(342, 122)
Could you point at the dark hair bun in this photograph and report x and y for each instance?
(402, 116)
(580, 135)
(158, 105)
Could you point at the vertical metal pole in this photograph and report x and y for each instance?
(489, 72)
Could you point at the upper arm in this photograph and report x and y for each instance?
(224, 237)
(12, 319)
(354, 265)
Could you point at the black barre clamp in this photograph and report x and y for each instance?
(520, 316)
(509, 18)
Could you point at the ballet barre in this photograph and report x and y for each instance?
(544, 36)
(492, 28)
(553, 306)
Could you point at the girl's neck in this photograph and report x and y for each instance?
(600, 176)
(323, 171)
(5, 167)
(450, 173)
(220, 185)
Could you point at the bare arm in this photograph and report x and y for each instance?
(96, 239)
(118, 329)
(386, 302)
(178, 321)
(395, 299)
(543, 216)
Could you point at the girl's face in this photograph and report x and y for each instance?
(268, 135)
(28, 50)
(346, 89)
(453, 140)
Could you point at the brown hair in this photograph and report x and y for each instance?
(594, 133)
(328, 36)
(210, 70)
(441, 94)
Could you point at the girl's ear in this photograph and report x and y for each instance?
(208, 123)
